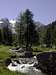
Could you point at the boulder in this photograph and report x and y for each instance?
(7, 61)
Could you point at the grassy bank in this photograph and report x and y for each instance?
(4, 71)
(5, 53)
(38, 49)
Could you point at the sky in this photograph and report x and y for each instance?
(43, 10)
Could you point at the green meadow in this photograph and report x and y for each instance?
(5, 53)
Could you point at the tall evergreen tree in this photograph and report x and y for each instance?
(49, 36)
(30, 34)
(7, 33)
(20, 29)
(27, 33)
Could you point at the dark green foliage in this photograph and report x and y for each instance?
(27, 34)
(50, 36)
(6, 32)
(7, 36)
(0, 36)
(20, 30)
(30, 33)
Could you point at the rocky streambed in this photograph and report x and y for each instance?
(24, 65)
(43, 63)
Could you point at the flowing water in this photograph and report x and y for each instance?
(25, 68)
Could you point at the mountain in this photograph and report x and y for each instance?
(39, 26)
(12, 23)
(4, 22)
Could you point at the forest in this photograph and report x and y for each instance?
(28, 32)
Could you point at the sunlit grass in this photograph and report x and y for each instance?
(4, 71)
(38, 49)
(5, 53)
